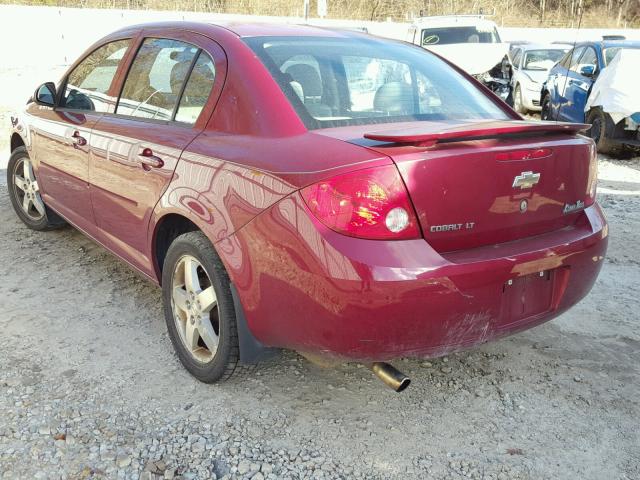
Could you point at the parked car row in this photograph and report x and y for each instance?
(589, 82)
(559, 79)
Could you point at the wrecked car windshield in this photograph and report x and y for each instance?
(610, 53)
(449, 35)
(541, 59)
(334, 82)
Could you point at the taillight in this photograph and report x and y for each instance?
(371, 203)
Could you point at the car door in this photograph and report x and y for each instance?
(62, 135)
(558, 82)
(167, 97)
(579, 86)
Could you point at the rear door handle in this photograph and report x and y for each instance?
(149, 160)
(78, 140)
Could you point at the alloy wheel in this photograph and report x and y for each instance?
(194, 304)
(27, 191)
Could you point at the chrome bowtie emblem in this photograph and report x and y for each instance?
(526, 180)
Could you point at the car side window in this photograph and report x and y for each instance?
(155, 79)
(588, 58)
(516, 59)
(197, 90)
(573, 62)
(610, 54)
(564, 62)
(87, 85)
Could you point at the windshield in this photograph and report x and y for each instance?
(449, 35)
(542, 59)
(610, 53)
(334, 82)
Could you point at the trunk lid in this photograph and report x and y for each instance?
(482, 183)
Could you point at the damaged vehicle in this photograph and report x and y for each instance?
(471, 42)
(613, 107)
(531, 64)
(347, 197)
(596, 83)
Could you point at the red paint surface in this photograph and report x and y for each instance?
(237, 175)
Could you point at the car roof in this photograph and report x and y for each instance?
(455, 20)
(251, 29)
(543, 46)
(611, 43)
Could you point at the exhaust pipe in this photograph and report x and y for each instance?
(395, 379)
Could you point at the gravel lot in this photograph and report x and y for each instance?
(90, 387)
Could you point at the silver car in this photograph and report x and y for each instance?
(531, 64)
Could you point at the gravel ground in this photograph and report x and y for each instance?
(90, 387)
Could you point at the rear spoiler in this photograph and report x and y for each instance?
(430, 133)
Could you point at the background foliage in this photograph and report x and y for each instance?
(517, 13)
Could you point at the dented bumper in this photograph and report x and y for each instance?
(321, 292)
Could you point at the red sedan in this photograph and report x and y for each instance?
(322, 191)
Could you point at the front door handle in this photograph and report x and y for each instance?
(78, 140)
(149, 160)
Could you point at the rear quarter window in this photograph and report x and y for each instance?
(197, 90)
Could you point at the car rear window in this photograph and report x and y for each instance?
(452, 35)
(541, 59)
(335, 82)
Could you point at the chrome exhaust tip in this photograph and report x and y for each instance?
(391, 376)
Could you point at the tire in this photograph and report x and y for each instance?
(24, 190)
(545, 113)
(518, 106)
(601, 131)
(199, 359)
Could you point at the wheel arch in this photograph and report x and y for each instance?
(544, 93)
(17, 141)
(165, 230)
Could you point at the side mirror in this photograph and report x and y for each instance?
(587, 70)
(45, 94)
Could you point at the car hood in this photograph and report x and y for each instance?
(537, 76)
(473, 58)
(616, 89)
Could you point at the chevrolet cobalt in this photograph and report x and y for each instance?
(293, 187)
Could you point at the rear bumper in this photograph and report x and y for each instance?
(306, 288)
